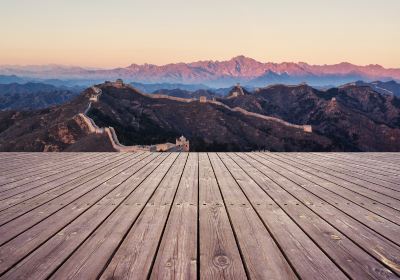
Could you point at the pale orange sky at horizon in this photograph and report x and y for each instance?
(115, 34)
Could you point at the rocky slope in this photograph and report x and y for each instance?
(53, 129)
(142, 119)
(355, 118)
(349, 118)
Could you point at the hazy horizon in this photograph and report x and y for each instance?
(105, 34)
(192, 61)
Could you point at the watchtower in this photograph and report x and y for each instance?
(203, 99)
(183, 143)
(119, 83)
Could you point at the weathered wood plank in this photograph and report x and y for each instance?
(350, 170)
(30, 184)
(34, 165)
(20, 157)
(336, 233)
(384, 157)
(313, 184)
(354, 165)
(263, 258)
(177, 254)
(386, 188)
(70, 204)
(29, 164)
(339, 183)
(91, 258)
(52, 190)
(204, 216)
(23, 180)
(364, 161)
(49, 256)
(350, 197)
(219, 254)
(305, 256)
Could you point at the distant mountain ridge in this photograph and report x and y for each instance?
(32, 96)
(217, 73)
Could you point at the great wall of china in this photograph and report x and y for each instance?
(181, 143)
(305, 128)
(112, 136)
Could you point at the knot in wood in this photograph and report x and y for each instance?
(221, 261)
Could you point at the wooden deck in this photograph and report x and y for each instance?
(199, 216)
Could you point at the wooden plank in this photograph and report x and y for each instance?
(77, 200)
(338, 234)
(7, 162)
(16, 187)
(20, 157)
(214, 216)
(9, 212)
(219, 254)
(352, 169)
(364, 160)
(23, 156)
(19, 178)
(19, 169)
(370, 171)
(27, 194)
(23, 177)
(177, 254)
(362, 201)
(305, 256)
(380, 165)
(49, 256)
(55, 186)
(37, 164)
(377, 223)
(41, 163)
(91, 258)
(262, 257)
(339, 183)
(386, 188)
(384, 157)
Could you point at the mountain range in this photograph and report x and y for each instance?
(32, 96)
(347, 118)
(353, 117)
(210, 73)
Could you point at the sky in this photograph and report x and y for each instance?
(107, 34)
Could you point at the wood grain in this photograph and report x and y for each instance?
(199, 215)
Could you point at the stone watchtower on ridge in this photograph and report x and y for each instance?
(183, 143)
(119, 83)
(236, 91)
(203, 99)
